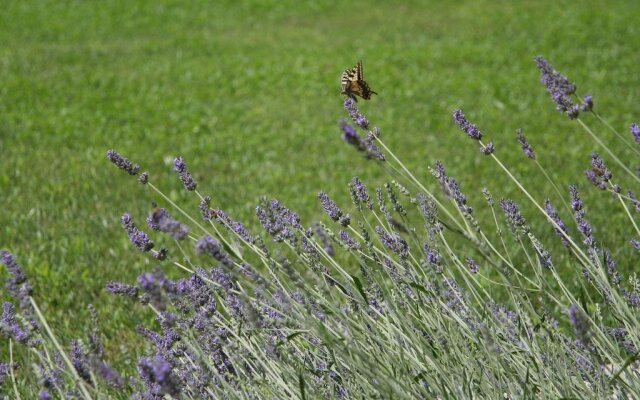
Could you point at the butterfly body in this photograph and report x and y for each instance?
(353, 83)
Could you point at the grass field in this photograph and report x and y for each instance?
(249, 95)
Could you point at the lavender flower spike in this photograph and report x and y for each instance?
(143, 178)
(180, 167)
(560, 89)
(561, 228)
(583, 225)
(158, 373)
(393, 242)
(487, 149)
(580, 323)
(514, 217)
(635, 132)
(79, 361)
(332, 209)
(354, 113)
(359, 193)
(122, 163)
(5, 369)
(599, 174)
(137, 237)
(123, 289)
(235, 226)
(16, 283)
(587, 103)
(44, 395)
(526, 148)
(9, 261)
(160, 220)
(350, 135)
(552, 79)
(472, 265)
(348, 241)
(467, 127)
(372, 150)
(212, 247)
(278, 220)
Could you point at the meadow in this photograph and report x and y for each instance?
(249, 95)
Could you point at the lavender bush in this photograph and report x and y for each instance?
(403, 294)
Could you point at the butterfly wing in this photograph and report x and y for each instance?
(359, 73)
(353, 83)
(348, 81)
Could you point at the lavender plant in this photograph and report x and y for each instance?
(406, 296)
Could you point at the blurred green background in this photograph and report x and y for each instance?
(248, 93)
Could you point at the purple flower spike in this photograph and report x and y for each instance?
(393, 242)
(526, 148)
(514, 217)
(467, 127)
(212, 247)
(332, 209)
(205, 208)
(350, 135)
(372, 150)
(180, 167)
(17, 275)
(472, 265)
(580, 323)
(79, 361)
(122, 163)
(451, 188)
(635, 132)
(16, 283)
(487, 149)
(587, 103)
(348, 241)
(352, 108)
(156, 372)
(325, 239)
(5, 369)
(552, 79)
(278, 220)
(123, 289)
(634, 201)
(235, 226)
(560, 89)
(433, 258)
(599, 174)
(583, 225)
(10, 327)
(137, 237)
(561, 227)
(359, 193)
(576, 201)
(143, 178)
(160, 220)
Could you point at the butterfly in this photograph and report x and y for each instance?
(353, 83)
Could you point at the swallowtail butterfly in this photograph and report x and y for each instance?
(353, 83)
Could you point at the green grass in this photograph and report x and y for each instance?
(249, 96)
